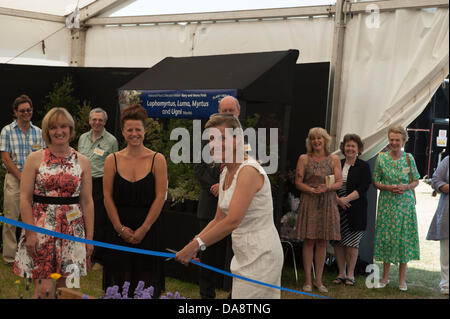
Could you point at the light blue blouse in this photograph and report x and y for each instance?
(439, 225)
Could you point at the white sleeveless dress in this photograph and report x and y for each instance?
(258, 254)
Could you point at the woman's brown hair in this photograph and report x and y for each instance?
(133, 112)
(355, 138)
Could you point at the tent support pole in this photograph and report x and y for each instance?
(78, 41)
(332, 115)
(78, 47)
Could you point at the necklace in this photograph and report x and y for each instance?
(396, 155)
(229, 178)
(350, 162)
(60, 153)
(318, 158)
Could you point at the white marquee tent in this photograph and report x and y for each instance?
(387, 57)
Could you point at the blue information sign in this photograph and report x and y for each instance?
(177, 103)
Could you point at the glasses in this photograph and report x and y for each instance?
(26, 111)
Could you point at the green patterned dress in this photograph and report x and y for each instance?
(396, 235)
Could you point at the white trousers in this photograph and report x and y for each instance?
(444, 264)
(11, 203)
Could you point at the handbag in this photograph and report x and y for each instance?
(410, 176)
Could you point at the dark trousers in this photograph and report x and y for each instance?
(217, 255)
(100, 218)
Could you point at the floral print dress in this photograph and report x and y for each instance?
(318, 215)
(56, 177)
(396, 235)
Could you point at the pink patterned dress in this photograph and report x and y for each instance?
(56, 177)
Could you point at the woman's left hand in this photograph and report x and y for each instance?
(344, 203)
(322, 188)
(400, 189)
(187, 253)
(89, 250)
(139, 235)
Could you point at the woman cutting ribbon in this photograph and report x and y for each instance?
(245, 211)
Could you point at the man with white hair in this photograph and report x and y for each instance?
(96, 145)
(229, 104)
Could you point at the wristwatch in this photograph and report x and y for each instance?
(201, 244)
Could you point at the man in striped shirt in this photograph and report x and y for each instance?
(17, 141)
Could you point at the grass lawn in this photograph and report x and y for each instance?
(421, 285)
(422, 276)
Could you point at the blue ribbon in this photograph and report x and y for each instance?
(140, 251)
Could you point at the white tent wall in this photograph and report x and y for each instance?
(391, 66)
(21, 41)
(390, 72)
(244, 37)
(56, 7)
(137, 46)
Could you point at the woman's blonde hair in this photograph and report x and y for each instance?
(397, 129)
(227, 119)
(51, 118)
(317, 132)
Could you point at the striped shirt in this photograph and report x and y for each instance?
(18, 144)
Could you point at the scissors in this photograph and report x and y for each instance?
(170, 251)
(175, 251)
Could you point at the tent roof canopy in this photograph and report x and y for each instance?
(265, 76)
(60, 7)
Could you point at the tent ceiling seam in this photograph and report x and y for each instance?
(88, 17)
(281, 13)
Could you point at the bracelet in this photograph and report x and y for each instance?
(121, 231)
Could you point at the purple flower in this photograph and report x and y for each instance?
(139, 290)
(112, 293)
(125, 289)
(139, 293)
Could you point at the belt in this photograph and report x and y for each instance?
(56, 200)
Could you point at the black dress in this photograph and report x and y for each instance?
(133, 201)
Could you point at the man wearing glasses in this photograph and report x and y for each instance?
(17, 141)
(96, 145)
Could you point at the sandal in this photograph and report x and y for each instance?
(349, 281)
(307, 288)
(321, 288)
(339, 281)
